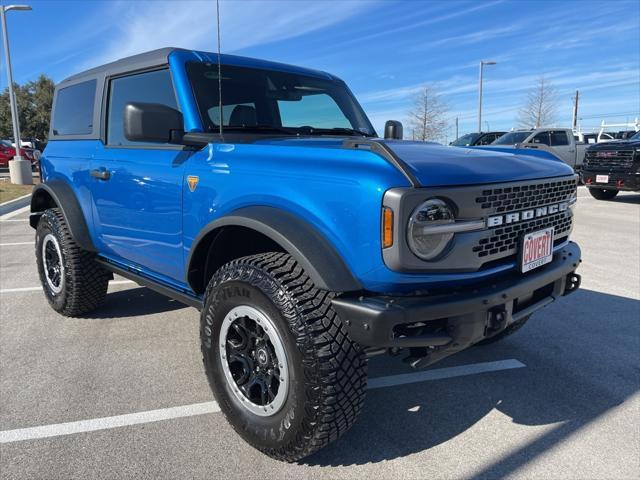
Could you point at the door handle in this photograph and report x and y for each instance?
(101, 174)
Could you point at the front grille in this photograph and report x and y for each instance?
(608, 159)
(504, 239)
(521, 197)
(489, 247)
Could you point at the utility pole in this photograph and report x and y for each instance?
(574, 122)
(482, 64)
(457, 128)
(19, 169)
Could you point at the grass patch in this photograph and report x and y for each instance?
(9, 191)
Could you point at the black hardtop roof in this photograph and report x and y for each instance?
(141, 60)
(161, 56)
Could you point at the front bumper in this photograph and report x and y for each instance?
(617, 180)
(445, 323)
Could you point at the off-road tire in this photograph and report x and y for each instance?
(603, 193)
(84, 283)
(514, 327)
(327, 370)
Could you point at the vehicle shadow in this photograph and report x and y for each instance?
(571, 379)
(134, 302)
(630, 199)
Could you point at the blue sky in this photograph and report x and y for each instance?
(384, 49)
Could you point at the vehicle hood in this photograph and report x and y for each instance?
(437, 165)
(615, 145)
(506, 145)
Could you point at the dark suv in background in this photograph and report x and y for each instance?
(612, 166)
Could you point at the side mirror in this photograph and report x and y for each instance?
(393, 130)
(152, 122)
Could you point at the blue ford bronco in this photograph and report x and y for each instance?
(260, 194)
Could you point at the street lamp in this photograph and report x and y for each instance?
(482, 64)
(19, 169)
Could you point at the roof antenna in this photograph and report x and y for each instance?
(221, 118)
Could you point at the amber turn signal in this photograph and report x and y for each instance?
(387, 227)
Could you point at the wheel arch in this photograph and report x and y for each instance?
(57, 193)
(270, 229)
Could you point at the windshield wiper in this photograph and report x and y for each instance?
(334, 131)
(305, 130)
(351, 131)
(257, 128)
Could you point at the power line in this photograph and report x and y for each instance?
(619, 114)
(582, 117)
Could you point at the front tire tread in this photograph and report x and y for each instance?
(334, 366)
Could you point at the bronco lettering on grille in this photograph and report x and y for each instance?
(515, 217)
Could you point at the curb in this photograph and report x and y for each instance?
(15, 204)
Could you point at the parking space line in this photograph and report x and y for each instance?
(39, 288)
(69, 428)
(105, 423)
(3, 204)
(14, 244)
(6, 216)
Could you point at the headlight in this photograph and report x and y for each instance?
(425, 234)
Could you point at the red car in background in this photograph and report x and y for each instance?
(8, 151)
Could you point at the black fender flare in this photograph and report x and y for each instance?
(303, 242)
(65, 199)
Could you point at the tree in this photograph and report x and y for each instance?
(540, 107)
(34, 101)
(6, 129)
(427, 117)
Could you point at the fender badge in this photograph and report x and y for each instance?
(192, 181)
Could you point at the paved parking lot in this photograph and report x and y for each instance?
(122, 393)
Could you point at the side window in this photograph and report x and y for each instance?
(541, 138)
(74, 109)
(559, 138)
(486, 140)
(490, 139)
(149, 87)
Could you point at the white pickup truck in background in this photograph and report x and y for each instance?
(558, 141)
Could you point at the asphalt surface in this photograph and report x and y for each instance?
(572, 409)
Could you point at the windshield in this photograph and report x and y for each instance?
(5, 143)
(267, 101)
(466, 140)
(636, 136)
(512, 138)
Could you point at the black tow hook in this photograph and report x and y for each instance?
(572, 283)
(496, 321)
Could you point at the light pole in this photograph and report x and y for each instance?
(482, 64)
(19, 169)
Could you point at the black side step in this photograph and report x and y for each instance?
(182, 297)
